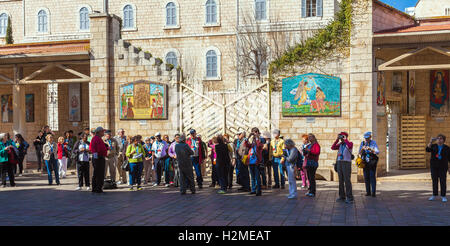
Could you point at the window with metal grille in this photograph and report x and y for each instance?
(84, 18)
(211, 12)
(171, 58)
(211, 64)
(447, 11)
(260, 10)
(171, 14)
(42, 21)
(52, 106)
(128, 16)
(3, 23)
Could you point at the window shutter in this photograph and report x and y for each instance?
(319, 8)
(303, 8)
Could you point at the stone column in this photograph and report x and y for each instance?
(362, 95)
(104, 31)
(18, 103)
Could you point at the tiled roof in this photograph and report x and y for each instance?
(422, 28)
(61, 47)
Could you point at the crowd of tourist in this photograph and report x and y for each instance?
(252, 161)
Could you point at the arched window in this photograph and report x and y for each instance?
(84, 18)
(128, 16)
(211, 12)
(171, 14)
(3, 23)
(171, 58)
(211, 64)
(42, 21)
(260, 10)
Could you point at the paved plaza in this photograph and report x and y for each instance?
(33, 202)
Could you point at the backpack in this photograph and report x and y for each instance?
(299, 162)
(109, 185)
(252, 156)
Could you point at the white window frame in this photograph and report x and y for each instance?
(177, 53)
(52, 106)
(267, 11)
(219, 64)
(129, 29)
(48, 21)
(447, 11)
(79, 20)
(177, 12)
(6, 28)
(218, 22)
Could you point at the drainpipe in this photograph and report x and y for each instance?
(23, 13)
(237, 45)
(105, 6)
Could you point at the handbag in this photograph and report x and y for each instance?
(360, 163)
(12, 157)
(245, 160)
(125, 165)
(109, 185)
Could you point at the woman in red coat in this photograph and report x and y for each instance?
(311, 153)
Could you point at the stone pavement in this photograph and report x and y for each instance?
(33, 202)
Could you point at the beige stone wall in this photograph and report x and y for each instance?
(384, 18)
(431, 8)
(13, 9)
(357, 96)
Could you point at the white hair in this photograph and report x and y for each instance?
(2, 135)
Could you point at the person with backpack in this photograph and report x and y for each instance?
(81, 152)
(22, 147)
(293, 159)
(344, 166)
(369, 151)
(135, 153)
(255, 145)
(5, 165)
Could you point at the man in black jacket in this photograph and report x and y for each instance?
(184, 154)
(440, 157)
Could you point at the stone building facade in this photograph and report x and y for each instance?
(52, 45)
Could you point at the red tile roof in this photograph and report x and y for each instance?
(422, 28)
(73, 46)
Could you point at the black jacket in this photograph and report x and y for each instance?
(184, 153)
(445, 154)
(223, 155)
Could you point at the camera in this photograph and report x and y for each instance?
(341, 136)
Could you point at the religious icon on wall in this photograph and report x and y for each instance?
(74, 102)
(311, 95)
(412, 93)
(439, 89)
(29, 107)
(7, 108)
(143, 100)
(397, 82)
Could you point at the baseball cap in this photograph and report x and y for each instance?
(367, 134)
(157, 134)
(192, 131)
